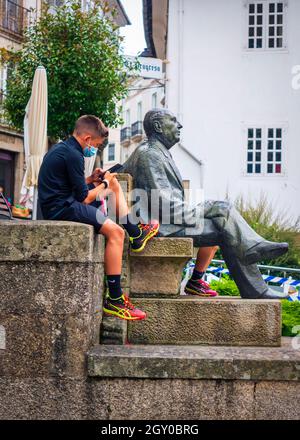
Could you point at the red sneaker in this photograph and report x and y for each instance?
(200, 288)
(147, 232)
(123, 309)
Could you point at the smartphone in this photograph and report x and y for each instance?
(113, 169)
(116, 168)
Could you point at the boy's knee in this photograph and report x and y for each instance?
(117, 232)
(112, 231)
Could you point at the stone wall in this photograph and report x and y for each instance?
(50, 310)
(53, 367)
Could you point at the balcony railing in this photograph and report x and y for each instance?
(137, 129)
(125, 135)
(13, 17)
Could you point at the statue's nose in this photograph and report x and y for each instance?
(179, 125)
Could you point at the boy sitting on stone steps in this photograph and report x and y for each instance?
(65, 194)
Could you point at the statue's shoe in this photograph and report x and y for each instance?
(272, 294)
(266, 250)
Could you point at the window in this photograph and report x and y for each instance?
(3, 79)
(154, 100)
(87, 5)
(111, 152)
(275, 25)
(255, 28)
(274, 150)
(127, 118)
(13, 15)
(139, 111)
(266, 23)
(254, 151)
(264, 150)
(56, 3)
(7, 173)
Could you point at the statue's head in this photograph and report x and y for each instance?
(162, 125)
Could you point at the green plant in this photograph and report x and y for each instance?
(290, 317)
(267, 222)
(225, 286)
(87, 74)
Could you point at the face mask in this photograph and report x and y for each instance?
(89, 151)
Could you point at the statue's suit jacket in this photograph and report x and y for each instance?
(153, 168)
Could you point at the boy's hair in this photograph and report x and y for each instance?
(92, 125)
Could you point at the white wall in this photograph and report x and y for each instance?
(216, 87)
(114, 138)
(140, 90)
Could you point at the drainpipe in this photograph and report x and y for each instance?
(180, 34)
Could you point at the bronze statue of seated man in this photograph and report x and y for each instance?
(218, 222)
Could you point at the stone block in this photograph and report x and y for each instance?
(126, 183)
(51, 295)
(149, 399)
(189, 362)
(221, 321)
(50, 241)
(157, 271)
(54, 398)
(113, 331)
(269, 398)
(49, 287)
(125, 275)
(44, 346)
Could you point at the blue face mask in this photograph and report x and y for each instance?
(89, 151)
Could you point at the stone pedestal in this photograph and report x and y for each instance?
(157, 270)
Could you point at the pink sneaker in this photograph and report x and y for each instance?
(199, 288)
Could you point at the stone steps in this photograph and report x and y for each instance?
(155, 276)
(195, 362)
(222, 321)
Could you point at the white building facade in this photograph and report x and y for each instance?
(143, 95)
(233, 80)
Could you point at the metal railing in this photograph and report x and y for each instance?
(268, 269)
(137, 128)
(125, 134)
(14, 18)
(287, 274)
